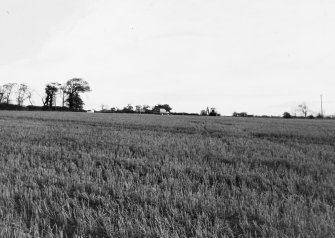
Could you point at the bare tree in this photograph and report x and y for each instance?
(62, 92)
(29, 96)
(22, 94)
(1, 93)
(104, 107)
(7, 91)
(303, 109)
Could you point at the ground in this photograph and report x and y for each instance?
(127, 175)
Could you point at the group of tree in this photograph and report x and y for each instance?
(304, 112)
(20, 92)
(156, 109)
(146, 109)
(70, 94)
(13, 96)
(288, 115)
(209, 112)
(241, 114)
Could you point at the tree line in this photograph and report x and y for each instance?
(13, 96)
(157, 109)
(70, 93)
(146, 109)
(303, 110)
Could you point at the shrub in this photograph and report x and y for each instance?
(287, 115)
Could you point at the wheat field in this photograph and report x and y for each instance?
(131, 175)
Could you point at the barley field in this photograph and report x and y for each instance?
(130, 175)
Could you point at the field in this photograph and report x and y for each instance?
(126, 175)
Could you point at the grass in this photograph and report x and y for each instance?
(123, 175)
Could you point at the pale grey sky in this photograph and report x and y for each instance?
(258, 56)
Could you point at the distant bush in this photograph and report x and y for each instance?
(287, 115)
(240, 114)
(184, 114)
(319, 116)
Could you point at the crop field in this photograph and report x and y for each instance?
(131, 175)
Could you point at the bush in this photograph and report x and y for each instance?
(287, 115)
(11, 107)
(319, 116)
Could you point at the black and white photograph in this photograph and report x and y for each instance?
(167, 118)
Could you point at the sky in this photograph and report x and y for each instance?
(255, 56)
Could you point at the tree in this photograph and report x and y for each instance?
(287, 115)
(164, 106)
(51, 90)
(146, 108)
(240, 114)
(78, 103)
(7, 91)
(203, 113)
(62, 91)
(139, 108)
(128, 109)
(213, 112)
(104, 107)
(319, 116)
(29, 96)
(73, 88)
(22, 94)
(303, 109)
(1, 93)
